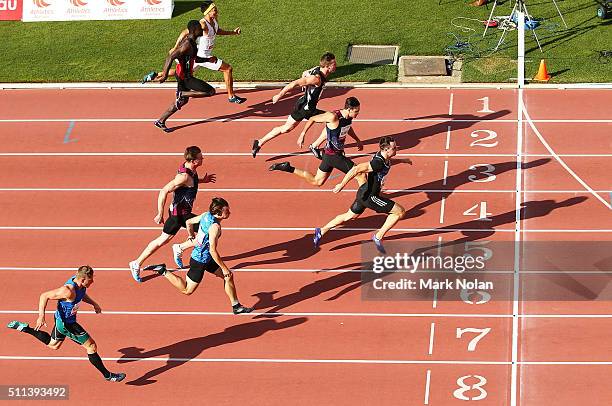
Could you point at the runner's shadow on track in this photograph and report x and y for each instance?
(347, 281)
(478, 229)
(264, 109)
(454, 181)
(301, 248)
(411, 138)
(186, 350)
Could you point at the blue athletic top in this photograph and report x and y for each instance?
(184, 196)
(201, 252)
(337, 136)
(66, 310)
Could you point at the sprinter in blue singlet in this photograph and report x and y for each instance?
(205, 255)
(69, 297)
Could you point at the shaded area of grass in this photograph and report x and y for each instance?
(281, 39)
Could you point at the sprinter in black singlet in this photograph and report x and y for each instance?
(312, 81)
(184, 187)
(187, 85)
(369, 194)
(338, 126)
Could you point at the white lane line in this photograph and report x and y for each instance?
(238, 190)
(450, 104)
(442, 206)
(448, 137)
(411, 230)
(306, 361)
(330, 314)
(282, 120)
(295, 154)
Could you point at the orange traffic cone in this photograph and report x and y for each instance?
(542, 75)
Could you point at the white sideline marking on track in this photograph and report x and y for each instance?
(331, 314)
(563, 164)
(442, 205)
(427, 384)
(450, 104)
(448, 137)
(308, 361)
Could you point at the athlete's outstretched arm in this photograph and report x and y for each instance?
(56, 294)
(181, 49)
(362, 168)
(352, 134)
(179, 180)
(182, 35)
(314, 80)
(326, 117)
(89, 300)
(213, 238)
(189, 226)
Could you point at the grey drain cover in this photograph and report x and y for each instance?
(416, 66)
(373, 54)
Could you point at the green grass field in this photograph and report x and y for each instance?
(282, 38)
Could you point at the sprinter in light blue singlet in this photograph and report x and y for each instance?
(69, 297)
(205, 256)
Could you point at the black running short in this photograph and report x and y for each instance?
(195, 84)
(338, 161)
(377, 203)
(174, 223)
(196, 269)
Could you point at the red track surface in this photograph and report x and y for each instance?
(81, 170)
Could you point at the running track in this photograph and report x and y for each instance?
(80, 174)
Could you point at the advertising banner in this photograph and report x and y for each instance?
(71, 10)
(10, 9)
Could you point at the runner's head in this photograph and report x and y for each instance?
(353, 106)
(209, 8)
(85, 276)
(193, 155)
(328, 62)
(388, 146)
(219, 207)
(195, 28)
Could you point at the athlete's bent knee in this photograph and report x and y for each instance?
(91, 347)
(55, 346)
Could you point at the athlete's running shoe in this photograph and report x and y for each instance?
(236, 99)
(178, 255)
(135, 270)
(378, 244)
(317, 237)
(282, 166)
(162, 126)
(316, 152)
(116, 377)
(239, 309)
(148, 77)
(159, 268)
(17, 325)
(255, 148)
